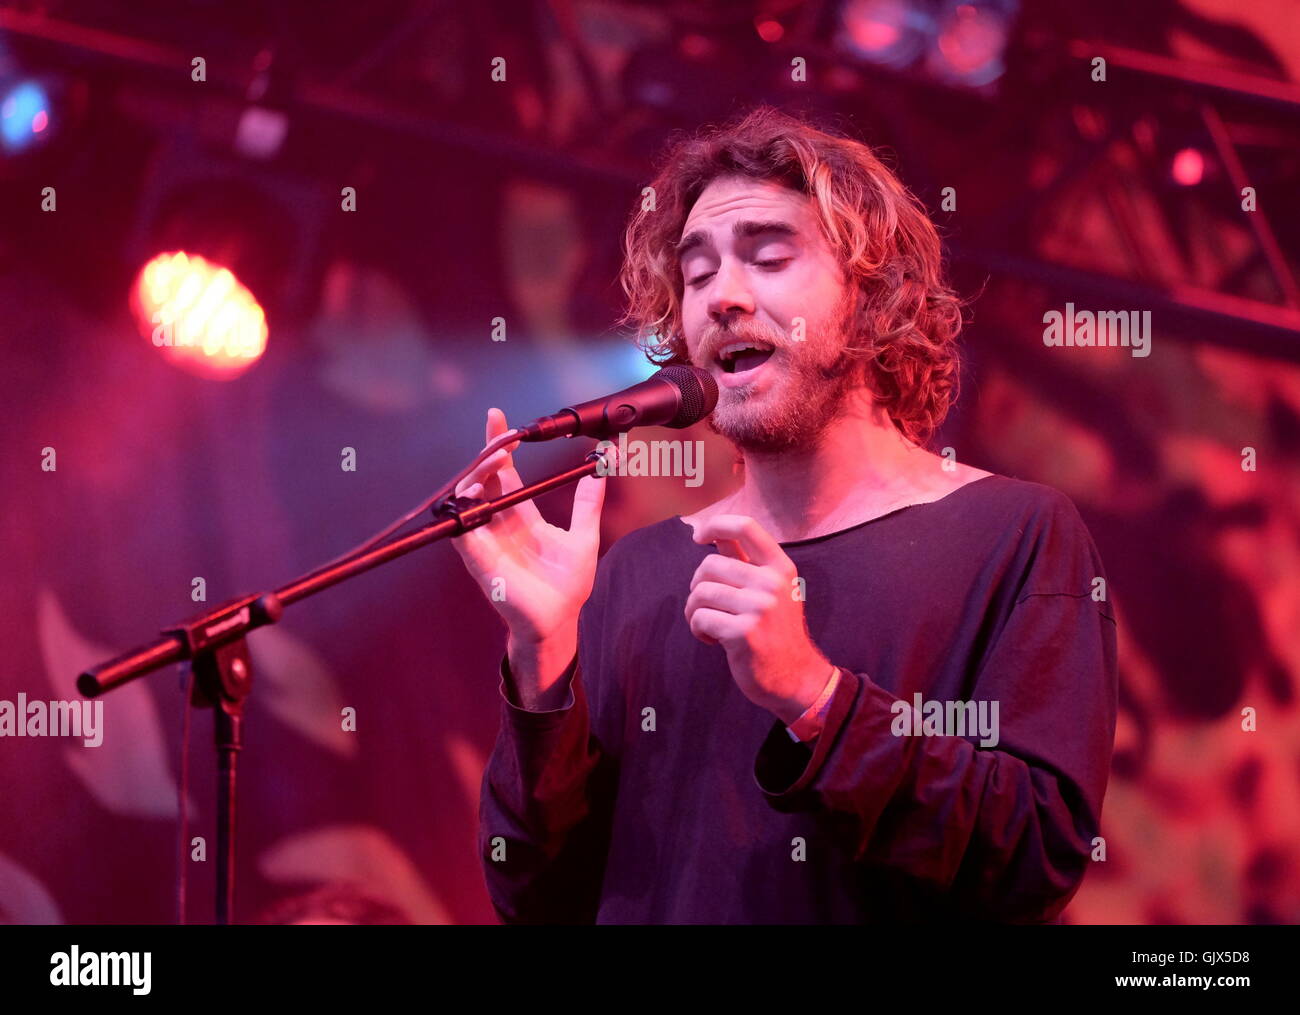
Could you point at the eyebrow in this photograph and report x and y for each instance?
(741, 230)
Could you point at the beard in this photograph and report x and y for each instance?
(812, 380)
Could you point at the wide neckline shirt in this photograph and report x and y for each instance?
(958, 773)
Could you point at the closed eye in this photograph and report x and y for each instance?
(774, 263)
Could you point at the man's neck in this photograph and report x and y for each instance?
(861, 468)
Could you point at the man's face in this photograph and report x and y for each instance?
(754, 264)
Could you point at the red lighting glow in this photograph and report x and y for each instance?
(972, 38)
(874, 26)
(198, 315)
(1188, 167)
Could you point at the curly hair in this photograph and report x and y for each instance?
(907, 318)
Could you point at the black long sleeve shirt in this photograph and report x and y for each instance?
(661, 794)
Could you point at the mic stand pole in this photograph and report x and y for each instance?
(214, 643)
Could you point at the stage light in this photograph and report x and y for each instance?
(198, 315)
(972, 41)
(887, 32)
(956, 42)
(1188, 167)
(262, 226)
(25, 113)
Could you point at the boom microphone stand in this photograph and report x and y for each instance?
(214, 643)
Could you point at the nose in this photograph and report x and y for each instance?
(729, 295)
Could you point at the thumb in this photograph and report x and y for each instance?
(588, 498)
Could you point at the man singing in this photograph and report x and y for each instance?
(766, 712)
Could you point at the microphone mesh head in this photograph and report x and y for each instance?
(699, 393)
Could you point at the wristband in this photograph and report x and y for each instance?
(808, 725)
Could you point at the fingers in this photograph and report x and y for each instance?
(502, 477)
(488, 472)
(728, 599)
(507, 522)
(486, 475)
(731, 548)
(496, 426)
(742, 574)
(741, 537)
(496, 475)
(481, 551)
(588, 498)
(714, 626)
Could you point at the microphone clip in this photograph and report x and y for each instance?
(463, 510)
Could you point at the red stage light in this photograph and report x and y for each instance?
(198, 315)
(873, 26)
(696, 47)
(971, 37)
(972, 41)
(892, 33)
(1188, 167)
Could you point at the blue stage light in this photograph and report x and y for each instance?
(25, 117)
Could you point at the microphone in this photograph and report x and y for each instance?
(677, 396)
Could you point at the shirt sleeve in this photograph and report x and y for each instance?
(1002, 832)
(544, 811)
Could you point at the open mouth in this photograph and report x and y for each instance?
(737, 357)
